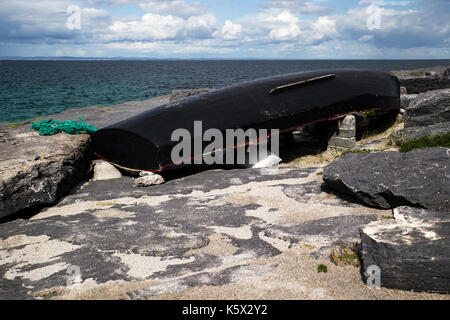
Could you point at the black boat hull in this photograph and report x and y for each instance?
(284, 102)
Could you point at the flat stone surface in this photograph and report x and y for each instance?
(101, 116)
(180, 94)
(412, 250)
(211, 229)
(422, 80)
(391, 179)
(429, 108)
(414, 133)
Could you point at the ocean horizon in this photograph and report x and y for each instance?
(33, 87)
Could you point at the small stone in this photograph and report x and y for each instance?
(147, 179)
(105, 171)
(403, 91)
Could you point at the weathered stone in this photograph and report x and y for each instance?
(412, 250)
(37, 171)
(391, 179)
(105, 171)
(429, 108)
(147, 179)
(180, 94)
(342, 143)
(322, 233)
(422, 80)
(446, 74)
(403, 91)
(405, 100)
(345, 137)
(413, 133)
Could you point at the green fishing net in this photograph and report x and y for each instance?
(50, 127)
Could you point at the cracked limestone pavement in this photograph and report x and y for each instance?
(220, 234)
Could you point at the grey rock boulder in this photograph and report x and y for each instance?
(406, 99)
(390, 179)
(412, 250)
(429, 108)
(37, 171)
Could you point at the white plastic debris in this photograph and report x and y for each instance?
(269, 162)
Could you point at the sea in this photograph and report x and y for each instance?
(32, 88)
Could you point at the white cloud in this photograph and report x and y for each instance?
(298, 6)
(284, 26)
(163, 27)
(324, 27)
(230, 31)
(179, 27)
(366, 38)
(178, 8)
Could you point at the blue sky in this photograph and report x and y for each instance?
(284, 29)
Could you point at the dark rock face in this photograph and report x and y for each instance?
(37, 171)
(414, 133)
(406, 99)
(412, 251)
(429, 108)
(391, 179)
(423, 84)
(422, 80)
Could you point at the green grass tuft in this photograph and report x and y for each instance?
(427, 142)
(346, 254)
(322, 268)
(369, 113)
(357, 151)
